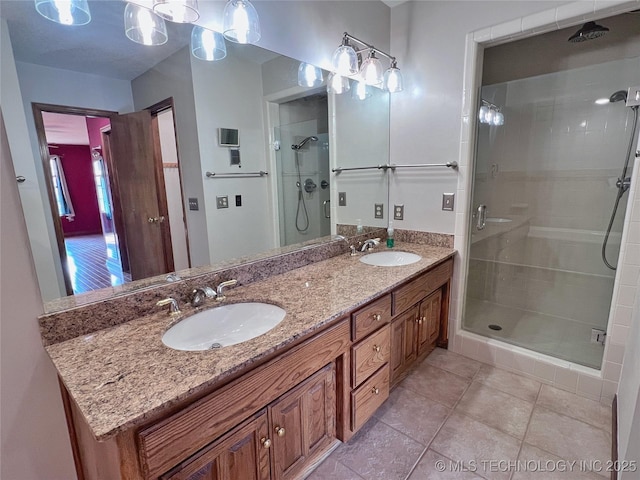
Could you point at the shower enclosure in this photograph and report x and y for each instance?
(543, 194)
(302, 164)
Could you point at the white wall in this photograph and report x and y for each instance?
(35, 443)
(228, 94)
(428, 38)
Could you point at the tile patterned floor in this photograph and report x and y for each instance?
(455, 418)
(94, 263)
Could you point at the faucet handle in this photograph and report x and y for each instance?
(174, 309)
(219, 291)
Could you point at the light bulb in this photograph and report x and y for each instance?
(240, 22)
(361, 91)
(482, 114)
(207, 44)
(178, 11)
(371, 70)
(489, 116)
(337, 84)
(498, 118)
(393, 79)
(309, 75)
(143, 26)
(65, 12)
(345, 59)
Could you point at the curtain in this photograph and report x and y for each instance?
(61, 190)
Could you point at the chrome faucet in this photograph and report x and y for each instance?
(200, 294)
(219, 291)
(174, 309)
(369, 244)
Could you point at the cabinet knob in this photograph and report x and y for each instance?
(377, 317)
(375, 390)
(376, 348)
(266, 442)
(279, 431)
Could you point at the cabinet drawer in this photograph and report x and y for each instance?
(368, 397)
(369, 355)
(413, 292)
(370, 318)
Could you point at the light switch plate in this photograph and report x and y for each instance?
(448, 201)
(193, 204)
(222, 202)
(342, 199)
(398, 212)
(378, 211)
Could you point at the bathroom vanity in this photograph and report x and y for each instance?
(269, 408)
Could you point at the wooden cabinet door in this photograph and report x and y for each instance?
(429, 323)
(242, 454)
(302, 423)
(403, 343)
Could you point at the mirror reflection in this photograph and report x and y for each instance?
(156, 161)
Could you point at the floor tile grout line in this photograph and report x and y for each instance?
(526, 430)
(441, 425)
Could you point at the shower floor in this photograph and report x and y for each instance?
(556, 336)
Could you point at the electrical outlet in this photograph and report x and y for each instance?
(193, 204)
(398, 212)
(342, 199)
(378, 211)
(222, 202)
(448, 201)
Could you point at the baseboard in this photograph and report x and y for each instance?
(614, 436)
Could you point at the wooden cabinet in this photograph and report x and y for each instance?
(403, 343)
(277, 443)
(303, 424)
(242, 454)
(429, 321)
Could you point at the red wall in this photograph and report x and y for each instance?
(78, 170)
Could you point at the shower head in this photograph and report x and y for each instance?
(620, 95)
(589, 31)
(312, 138)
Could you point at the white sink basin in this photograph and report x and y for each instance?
(390, 259)
(223, 326)
(498, 220)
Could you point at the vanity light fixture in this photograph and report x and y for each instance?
(65, 12)
(345, 63)
(143, 26)
(207, 44)
(178, 11)
(240, 22)
(490, 114)
(337, 84)
(309, 75)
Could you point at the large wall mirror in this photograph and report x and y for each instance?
(135, 173)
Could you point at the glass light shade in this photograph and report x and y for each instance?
(345, 60)
(65, 12)
(488, 118)
(143, 26)
(337, 84)
(178, 11)
(371, 70)
(393, 80)
(309, 75)
(360, 91)
(498, 118)
(482, 113)
(207, 44)
(240, 22)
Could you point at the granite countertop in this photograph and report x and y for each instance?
(122, 375)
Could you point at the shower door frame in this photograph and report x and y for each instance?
(589, 382)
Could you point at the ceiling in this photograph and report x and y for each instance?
(101, 46)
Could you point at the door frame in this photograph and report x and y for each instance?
(38, 109)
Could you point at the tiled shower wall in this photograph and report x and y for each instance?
(598, 385)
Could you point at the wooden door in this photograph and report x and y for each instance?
(242, 454)
(141, 192)
(303, 423)
(403, 343)
(429, 325)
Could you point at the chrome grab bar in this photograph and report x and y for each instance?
(324, 208)
(482, 217)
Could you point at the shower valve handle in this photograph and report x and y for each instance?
(482, 217)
